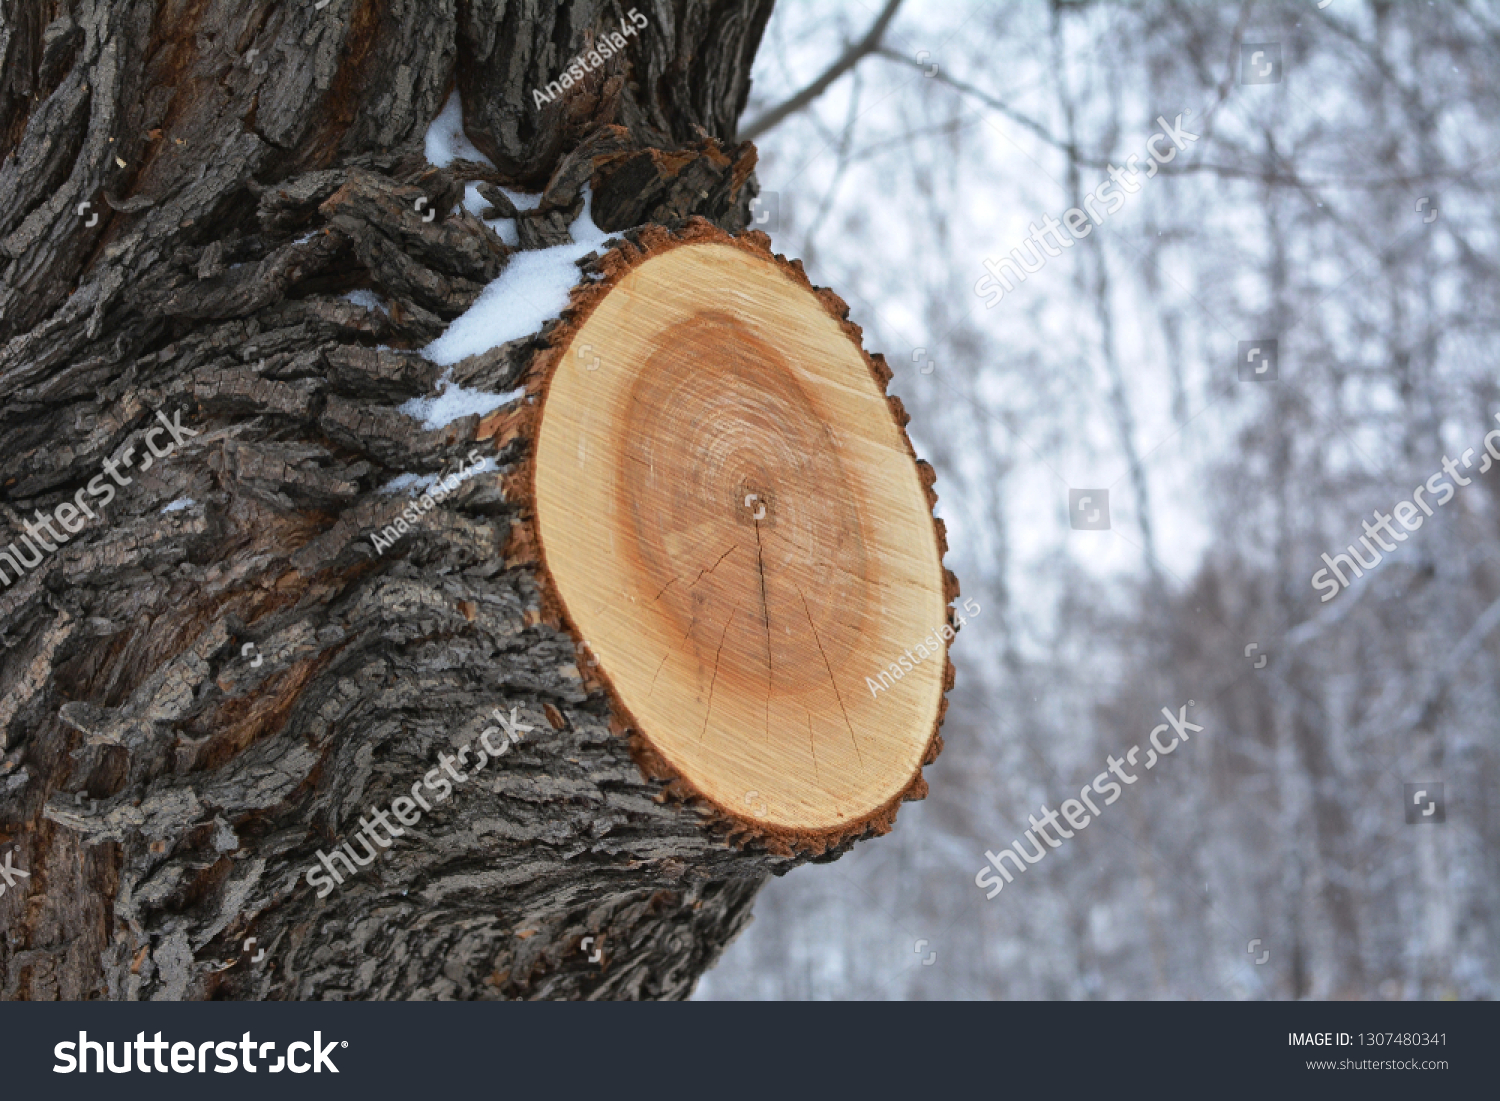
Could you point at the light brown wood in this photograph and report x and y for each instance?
(732, 518)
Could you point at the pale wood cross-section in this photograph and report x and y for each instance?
(733, 519)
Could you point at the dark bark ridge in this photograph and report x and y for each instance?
(199, 700)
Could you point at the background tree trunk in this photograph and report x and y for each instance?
(199, 699)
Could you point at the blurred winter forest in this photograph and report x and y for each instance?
(1346, 207)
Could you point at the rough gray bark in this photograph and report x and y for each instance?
(165, 788)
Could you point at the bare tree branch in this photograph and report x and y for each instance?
(984, 97)
(1258, 173)
(851, 57)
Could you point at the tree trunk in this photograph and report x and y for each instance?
(273, 727)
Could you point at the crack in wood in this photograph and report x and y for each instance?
(831, 680)
(708, 714)
(760, 565)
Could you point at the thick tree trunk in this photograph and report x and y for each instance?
(220, 214)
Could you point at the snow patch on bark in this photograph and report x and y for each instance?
(455, 401)
(475, 203)
(362, 296)
(505, 228)
(532, 290)
(408, 482)
(446, 140)
(412, 484)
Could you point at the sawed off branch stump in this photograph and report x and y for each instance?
(727, 515)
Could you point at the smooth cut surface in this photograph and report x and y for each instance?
(733, 521)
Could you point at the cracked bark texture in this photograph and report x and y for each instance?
(197, 700)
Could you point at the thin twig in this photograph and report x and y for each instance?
(851, 57)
